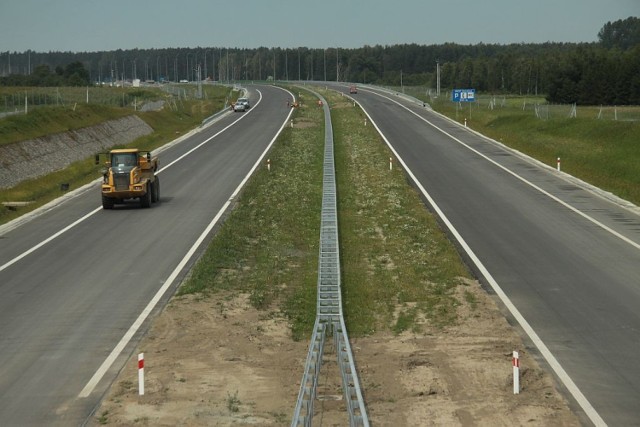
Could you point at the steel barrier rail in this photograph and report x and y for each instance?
(329, 317)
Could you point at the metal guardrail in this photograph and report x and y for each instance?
(329, 317)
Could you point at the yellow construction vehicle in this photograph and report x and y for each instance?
(129, 174)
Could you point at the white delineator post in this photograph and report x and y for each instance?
(269, 165)
(516, 373)
(390, 163)
(558, 166)
(141, 374)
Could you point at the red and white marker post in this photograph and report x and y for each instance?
(516, 373)
(141, 374)
(558, 164)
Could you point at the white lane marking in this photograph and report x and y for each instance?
(96, 210)
(102, 370)
(544, 350)
(47, 240)
(529, 183)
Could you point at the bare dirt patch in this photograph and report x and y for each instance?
(218, 361)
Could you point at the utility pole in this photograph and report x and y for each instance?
(337, 67)
(438, 78)
(324, 58)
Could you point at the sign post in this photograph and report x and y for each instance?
(141, 374)
(515, 361)
(464, 95)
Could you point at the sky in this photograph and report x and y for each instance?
(92, 25)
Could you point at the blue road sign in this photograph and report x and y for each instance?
(463, 95)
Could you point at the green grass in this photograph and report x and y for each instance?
(167, 124)
(45, 121)
(398, 268)
(268, 246)
(397, 264)
(233, 403)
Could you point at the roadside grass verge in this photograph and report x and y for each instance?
(55, 119)
(604, 153)
(167, 124)
(54, 110)
(399, 271)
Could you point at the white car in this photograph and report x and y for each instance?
(244, 101)
(239, 107)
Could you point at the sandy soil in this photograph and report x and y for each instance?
(218, 361)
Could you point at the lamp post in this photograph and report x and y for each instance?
(324, 59)
(337, 66)
(438, 78)
(187, 68)
(175, 68)
(195, 65)
(205, 64)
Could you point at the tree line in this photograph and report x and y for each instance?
(603, 72)
(73, 74)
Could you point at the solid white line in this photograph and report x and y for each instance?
(529, 183)
(544, 350)
(96, 210)
(95, 379)
(47, 240)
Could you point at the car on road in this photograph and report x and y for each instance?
(242, 104)
(353, 89)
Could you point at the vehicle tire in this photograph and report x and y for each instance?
(145, 201)
(107, 202)
(156, 188)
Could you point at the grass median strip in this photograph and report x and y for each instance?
(399, 271)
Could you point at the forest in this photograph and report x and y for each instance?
(603, 72)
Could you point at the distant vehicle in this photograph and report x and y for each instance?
(353, 89)
(241, 105)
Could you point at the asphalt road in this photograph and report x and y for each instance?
(567, 259)
(67, 303)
